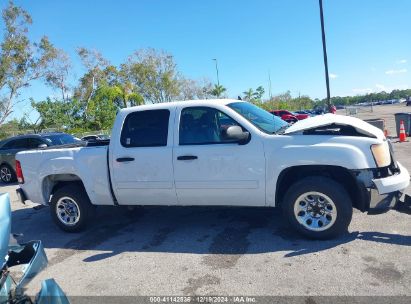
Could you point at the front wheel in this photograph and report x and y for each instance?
(318, 207)
(71, 208)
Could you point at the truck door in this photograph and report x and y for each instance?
(211, 170)
(141, 160)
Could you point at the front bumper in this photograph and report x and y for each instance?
(387, 192)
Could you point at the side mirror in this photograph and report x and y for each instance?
(42, 146)
(237, 134)
(31, 256)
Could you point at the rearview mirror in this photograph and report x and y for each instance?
(236, 133)
(42, 146)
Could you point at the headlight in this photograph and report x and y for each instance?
(381, 155)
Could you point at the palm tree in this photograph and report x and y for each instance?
(259, 92)
(218, 90)
(249, 94)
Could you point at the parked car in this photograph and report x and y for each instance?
(319, 110)
(289, 116)
(220, 152)
(9, 147)
(30, 258)
(95, 137)
(303, 112)
(90, 137)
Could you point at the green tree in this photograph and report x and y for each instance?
(218, 90)
(259, 92)
(129, 95)
(57, 114)
(9, 128)
(95, 76)
(192, 89)
(249, 95)
(254, 96)
(58, 72)
(103, 107)
(21, 61)
(153, 75)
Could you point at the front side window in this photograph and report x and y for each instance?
(145, 129)
(33, 143)
(203, 125)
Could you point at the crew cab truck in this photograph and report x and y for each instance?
(220, 152)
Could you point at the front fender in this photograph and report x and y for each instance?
(300, 150)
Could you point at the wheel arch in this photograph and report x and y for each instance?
(7, 164)
(54, 182)
(343, 176)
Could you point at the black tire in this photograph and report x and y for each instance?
(9, 178)
(327, 187)
(78, 195)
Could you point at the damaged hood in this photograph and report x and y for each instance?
(334, 120)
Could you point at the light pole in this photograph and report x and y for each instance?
(269, 85)
(216, 68)
(327, 78)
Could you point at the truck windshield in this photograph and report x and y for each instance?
(260, 118)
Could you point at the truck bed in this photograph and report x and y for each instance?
(84, 161)
(90, 143)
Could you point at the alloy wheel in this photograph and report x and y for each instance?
(315, 211)
(5, 174)
(68, 211)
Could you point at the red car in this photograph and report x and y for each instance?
(289, 116)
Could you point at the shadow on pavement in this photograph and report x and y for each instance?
(9, 184)
(201, 230)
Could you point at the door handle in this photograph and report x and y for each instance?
(187, 157)
(124, 159)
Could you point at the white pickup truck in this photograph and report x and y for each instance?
(220, 152)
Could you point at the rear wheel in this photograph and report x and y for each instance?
(7, 174)
(71, 208)
(318, 207)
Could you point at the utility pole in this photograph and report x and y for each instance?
(269, 85)
(216, 68)
(327, 78)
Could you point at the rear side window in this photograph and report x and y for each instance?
(16, 144)
(145, 129)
